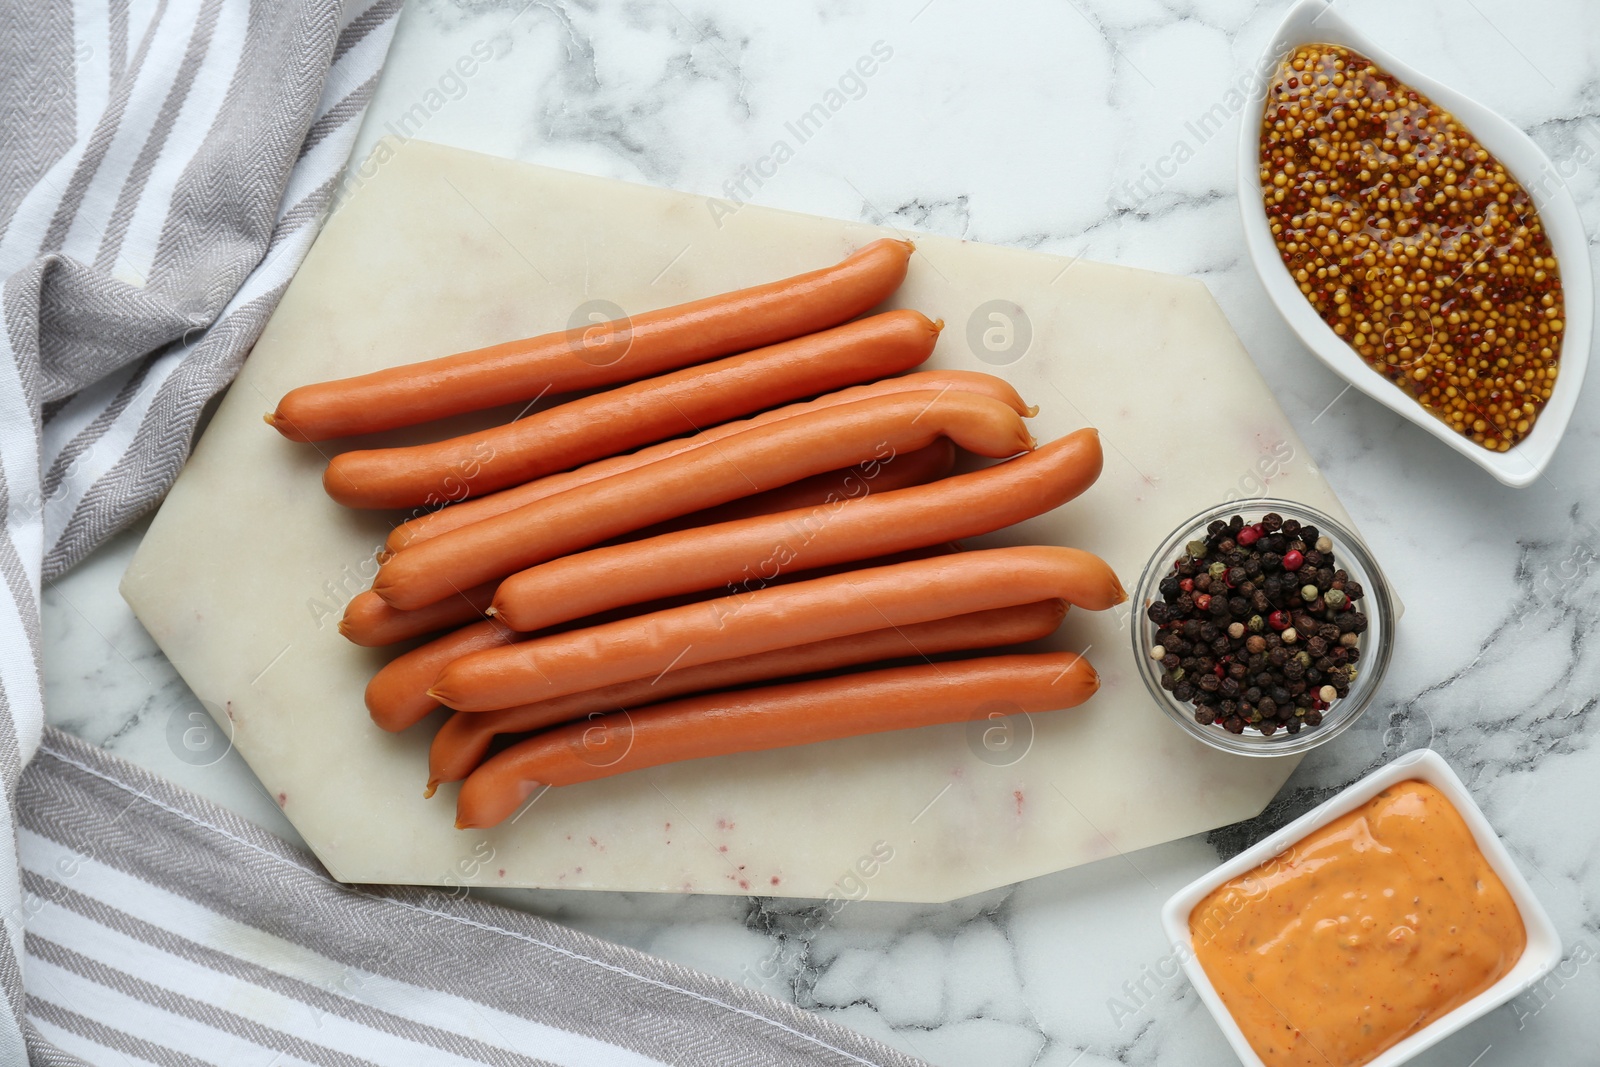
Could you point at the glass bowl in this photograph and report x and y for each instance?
(1377, 643)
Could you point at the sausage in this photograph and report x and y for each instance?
(369, 621)
(593, 355)
(750, 462)
(464, 739)
(456, 516)
(759, 621)
(918, 467)
(397, 695)
(769, 717)
(621, 419)
(871, 524)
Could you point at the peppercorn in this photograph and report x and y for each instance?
(1352, 590)
(1271, 522)
(1236, 630)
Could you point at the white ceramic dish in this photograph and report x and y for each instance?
(1312, 21)
(1539, 958)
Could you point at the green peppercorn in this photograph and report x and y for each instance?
(1334, 598)
(1256, 624)
(1197, 549)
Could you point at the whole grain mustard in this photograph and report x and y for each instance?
(1412, 242)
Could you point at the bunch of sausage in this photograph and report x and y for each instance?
(742, 539)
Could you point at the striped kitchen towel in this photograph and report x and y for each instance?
(164, 929)
(163, 167)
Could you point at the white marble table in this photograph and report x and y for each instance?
(1056, 127)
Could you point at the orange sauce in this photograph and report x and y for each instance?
(1360, 934)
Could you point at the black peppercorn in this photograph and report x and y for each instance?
(1224, 658)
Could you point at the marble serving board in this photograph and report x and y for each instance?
(243, 574)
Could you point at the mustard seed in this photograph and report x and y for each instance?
(1412, 243)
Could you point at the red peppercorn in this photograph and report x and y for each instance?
(1187, 585)
(1248, 536)
(1218, 671)
(1202, 601)
(1278, 620)
(1292, 560)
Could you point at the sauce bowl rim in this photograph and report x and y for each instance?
(1540, 956)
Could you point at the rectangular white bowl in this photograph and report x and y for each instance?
(1310, 22)
(1539, 958)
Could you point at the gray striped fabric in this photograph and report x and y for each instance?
(163, 929)
(163, 167)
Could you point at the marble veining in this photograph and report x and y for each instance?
(1057, 127)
